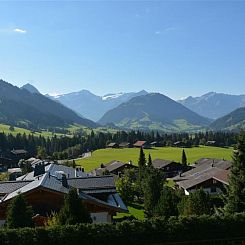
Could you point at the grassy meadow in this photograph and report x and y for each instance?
(5, 128)
(168, 153)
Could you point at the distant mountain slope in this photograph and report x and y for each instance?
(92, 106)
(233, 121)
(30, 88)
(154, 111)
(21, 108)
(214, 105)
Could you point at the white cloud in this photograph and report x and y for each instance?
(21, 31)
(169, 29)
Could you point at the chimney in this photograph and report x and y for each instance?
(83, 170)
(102, 165)
(39, 169)
(64, 181)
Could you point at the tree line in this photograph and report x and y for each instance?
(73, 146)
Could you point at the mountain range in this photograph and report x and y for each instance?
(93, 106)
(154, 111)
(26, 109)
(214, 105)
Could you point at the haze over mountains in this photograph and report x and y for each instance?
(27, 107)
(214, 105)
(93, 106)
(154, 111)
(232, 121)
(19, 107)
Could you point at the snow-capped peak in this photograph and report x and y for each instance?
(111, 96)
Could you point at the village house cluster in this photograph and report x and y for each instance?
(45, 187)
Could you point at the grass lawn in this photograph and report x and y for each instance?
(5, 128)
(134, 209)
(168, 153)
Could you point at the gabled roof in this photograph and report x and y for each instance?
(202, 165)
(53, 169)
(222, 176)
(123, 144)
(51, 182)
(140, 143)
(201, 177)
(113, 165)
(112, 144)
(10, 186)
(219, 163)
(160, 163)
(93, 183)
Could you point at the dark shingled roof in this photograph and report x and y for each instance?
(91, 183)
(160, 163)
(10, 186)
(201, 177)
(113, 165)
(51, 181)
(219, 163)
(124, 144)
(202, 165)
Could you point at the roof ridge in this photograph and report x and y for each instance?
(92, 177)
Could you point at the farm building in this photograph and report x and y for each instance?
(113, 145)
(45, 191)
(125, 145)
(141, 143)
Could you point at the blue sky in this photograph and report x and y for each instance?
(178, 48)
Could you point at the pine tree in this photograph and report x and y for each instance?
(149, 163)
(19, 214)
(235, 199)
(168, 203)
(184, 158)
(141, 164)
(153, 184)
(197, 203)
(73, 211)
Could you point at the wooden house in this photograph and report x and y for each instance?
(170, 168)
(114, 167)
(45, 192)
(209, 174)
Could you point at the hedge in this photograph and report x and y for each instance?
(192, 230)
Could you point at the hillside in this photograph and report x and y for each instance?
(21, 108)
(154, 111)
(214, 105)
(233, 121)
(95, 106)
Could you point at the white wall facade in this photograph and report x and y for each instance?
(102, 217)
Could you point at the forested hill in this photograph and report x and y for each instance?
(232, 121)
(21, 108)
(154, 111)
